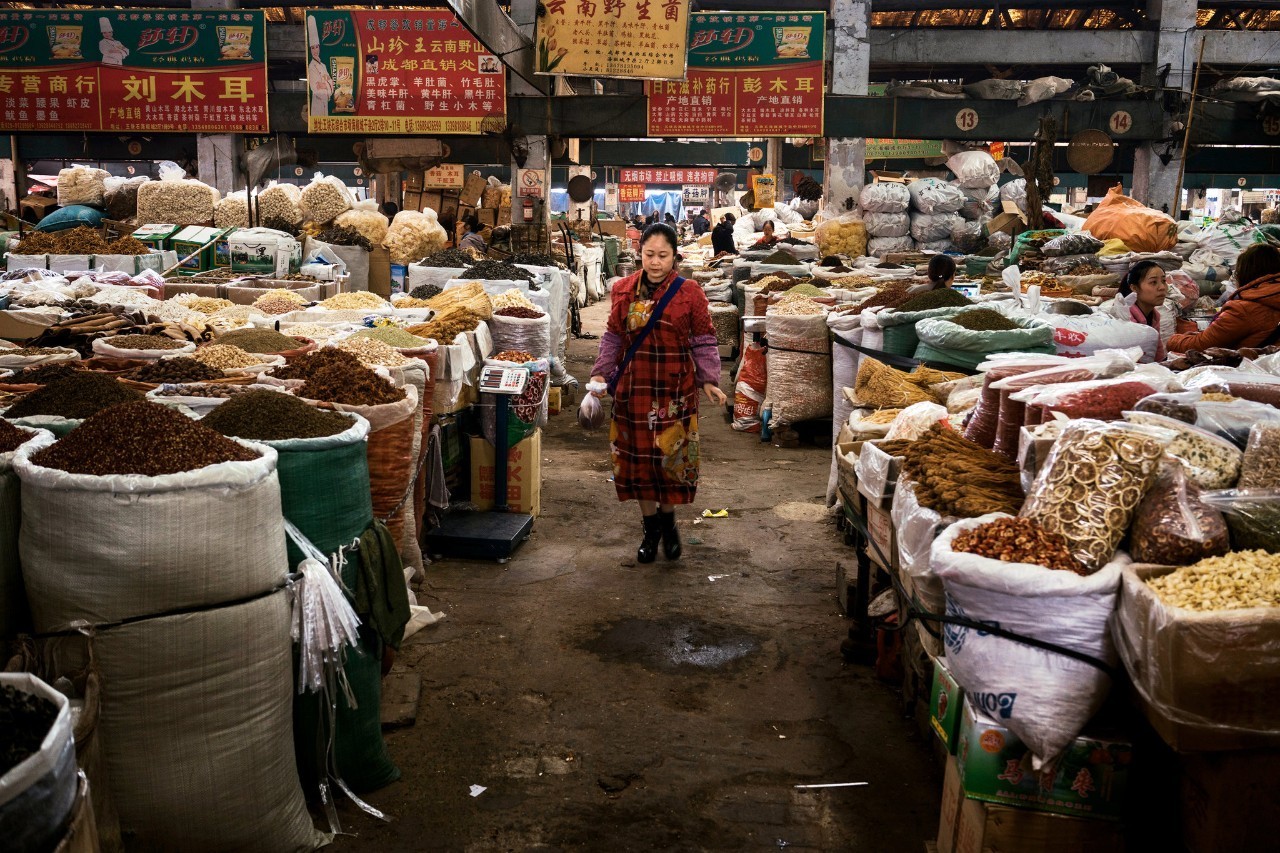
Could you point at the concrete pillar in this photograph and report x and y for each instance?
(218, 154)
(846, 164)
(537, 149)
(1155, 181)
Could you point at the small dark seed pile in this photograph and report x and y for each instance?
(984, 320)
(261, 341)
(496, 271)
(24, 721)
(140, 438)
(272, 416)
(780, 258)
(180, 369)
(533, 259)
(447, 259)
(25, 351)
(208, 391)
(521, 312)
(425, 291)
(942, 297)
(75, 396)
(309, 364)
(337, 376)
(11, 438)
(344, 235)
(891, 296)
(41, 374)
(145, 342)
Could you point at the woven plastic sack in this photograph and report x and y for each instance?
(749, 389)
(887, 224)
(881, 246)
(1228, 237)
(15, 617)
(531, 335)
(974, 169)
(1043, 697)
(933, 228)
(930, 195)
(943, 341)
(799, 367)
(884, 198)
(37, 794)
(1141, 228)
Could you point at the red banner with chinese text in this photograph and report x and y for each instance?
(630, 193)
(666, 176)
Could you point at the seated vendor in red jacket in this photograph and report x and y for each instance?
(1251, 316)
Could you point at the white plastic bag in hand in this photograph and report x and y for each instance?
(591, 411)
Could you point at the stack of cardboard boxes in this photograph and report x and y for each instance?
(452, 194)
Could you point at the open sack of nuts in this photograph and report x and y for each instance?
(1015, 573)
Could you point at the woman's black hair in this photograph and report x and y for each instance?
(471, 221)
(661, 229)
(1257, 261)
(669, 218)
(941, 268)
(1135, 275)
(730, 218)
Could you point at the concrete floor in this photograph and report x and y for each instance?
(611, 706)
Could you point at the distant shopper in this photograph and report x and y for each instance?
(659, 350)
(651, 219)
(701, 224)
(390, 209)
(1142, 291)
(670, 219)
(942, 272)
(471, 238)
(722, 236)
(1251, 316)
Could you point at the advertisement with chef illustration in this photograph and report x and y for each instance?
(133, 70)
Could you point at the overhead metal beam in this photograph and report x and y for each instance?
(939, 47)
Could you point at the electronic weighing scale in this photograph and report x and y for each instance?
(492, 535)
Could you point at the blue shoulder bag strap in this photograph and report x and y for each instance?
(654, 317)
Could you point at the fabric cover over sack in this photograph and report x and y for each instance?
(941, 340)
(887, 224)
(1141, 228)
(36, 795)
(881, 246)
(1043, 697)
(799, 367)
(884, 198)
(933, 228)
(930, 195)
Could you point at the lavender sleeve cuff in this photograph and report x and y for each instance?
(610, 353)
(706, 359)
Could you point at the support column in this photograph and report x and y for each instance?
(1155, 178)
(536, 149)
(218, 154)
(846, 164)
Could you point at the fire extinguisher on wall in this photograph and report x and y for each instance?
(527, 209)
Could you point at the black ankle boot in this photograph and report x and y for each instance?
(670, 535)
(648, 550)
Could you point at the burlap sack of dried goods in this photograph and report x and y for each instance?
(531, 335)
(799, 367)
(1043, 697)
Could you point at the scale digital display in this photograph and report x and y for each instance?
(503, 380)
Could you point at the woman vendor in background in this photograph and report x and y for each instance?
(1250, 317)
(1142, 292)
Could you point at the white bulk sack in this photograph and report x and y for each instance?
(1043, 697)
(846, 333)
(531, 335)
(881, 246)
(930, 195)
(931, 228)
(974, 169)
(884, 198)
(887, 224)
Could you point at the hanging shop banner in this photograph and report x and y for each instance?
(630, 193)
(647, 39)
(446, 176)
(695, 195)
(667, 176)
(749, 76)
(400, 72)
(134, 71)
(883, 149)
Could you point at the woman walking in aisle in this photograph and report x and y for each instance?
(660, 347)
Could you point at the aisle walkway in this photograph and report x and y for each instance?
(611, 706)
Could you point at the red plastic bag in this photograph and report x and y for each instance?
(748, 393)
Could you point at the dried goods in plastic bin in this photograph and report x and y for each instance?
(25, 720)
(1260, 468)
(140, 438)
(261, 341)
(1090, 486)
(1019, 540)
(271, 416)
(180, 369)
(11, 438)
(1253, 516)
(1173, 526)
(1232, 581)
(1211, 462)
(76, 396)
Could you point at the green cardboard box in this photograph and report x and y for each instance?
(1088, 780)
(157, 236)
(192, 240)
(945, 705)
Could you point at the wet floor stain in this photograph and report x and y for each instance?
(673, 644)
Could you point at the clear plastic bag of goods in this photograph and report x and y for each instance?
(279, 205)
(887, 224)
(591, 414)
(933, 227)
(325, 198)
(1253, 516)
(916, 420)
(844, 235)
(979, 202)
(1100, 399)
(1042, 696)
(1209, 461)
(1260, 467)
(414, 235)
(232, 211)
(969, 237)
(1090, 486)
(365, 218)
(176, 199)
(1173, 526)
(1079, 243)
(881, 246)
(915, 528)
(121, 197)
(82, 185)
(799, 366)
(974, 169)
(931, 195)
(885, 198)
(1141, 228)
(749, 389)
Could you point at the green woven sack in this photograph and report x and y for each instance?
(949, 343)
(899, 328)
(324, 491)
